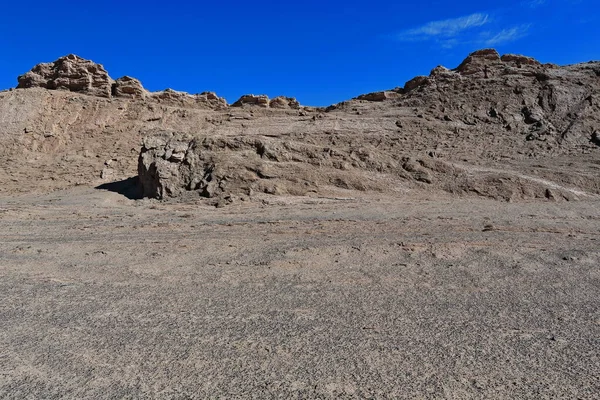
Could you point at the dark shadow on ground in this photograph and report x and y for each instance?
(129, 188)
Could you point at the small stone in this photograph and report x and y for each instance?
(107, 173)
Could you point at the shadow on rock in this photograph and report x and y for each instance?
(129, 188)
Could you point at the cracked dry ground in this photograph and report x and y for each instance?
(369, 296)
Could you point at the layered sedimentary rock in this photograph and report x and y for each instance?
(127, 86)
(75, 74)
(71, 73)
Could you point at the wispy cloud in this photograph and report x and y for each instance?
(479, 29)
(505, 35)
(534, 3)
(444, 29)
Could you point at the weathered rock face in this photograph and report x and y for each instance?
(71, 73)
(175, 164)
(378, 96)
(171, 95)
(223, 168)
(284, 102)
(416, 82)
(518, 60)
(524, 96)
(202, 100)
(76, 74)
(211, 99)
(127, 86)
(522, 116)
(478, 62)
(252, 100)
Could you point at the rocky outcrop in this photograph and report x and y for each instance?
(171, 95)
(252, 100)
(262, 100)
(211, 99)
(223, 168)
(71, 73)
(524, 113)
(127, 86)
(519, 60)
(416, 82)
(76, 74)
(176, 164)
(485, 63)
(204, 99)
(478, 62)
(378, 96)
(284, 102)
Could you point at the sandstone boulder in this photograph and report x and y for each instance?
(71, 73)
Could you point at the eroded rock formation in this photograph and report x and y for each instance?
(75, 74)
(71, 73)
(127, 86)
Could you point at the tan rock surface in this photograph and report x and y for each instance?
(71, 73)
(127, 86)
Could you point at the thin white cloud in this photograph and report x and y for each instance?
(475, 29)
(534, 3)
(444, 29)
(505, 35)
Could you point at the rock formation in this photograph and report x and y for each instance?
(71, 73)
(503, 127)
(284, 102)
(378, 96)
(75, 74)
(174, 97)
(478, 61)
(252, 100)
(127, 86)
(509, 100)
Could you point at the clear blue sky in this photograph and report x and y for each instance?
(321, 52)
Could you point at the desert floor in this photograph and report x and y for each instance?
(362, 296)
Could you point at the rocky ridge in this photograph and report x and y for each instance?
(70, 73)
(514, 106)
(505, 127)
(75, 74)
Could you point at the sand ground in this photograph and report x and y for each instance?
(348, 297)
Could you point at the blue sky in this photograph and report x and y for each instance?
(320, 52)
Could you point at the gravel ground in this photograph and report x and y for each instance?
(368, 297)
